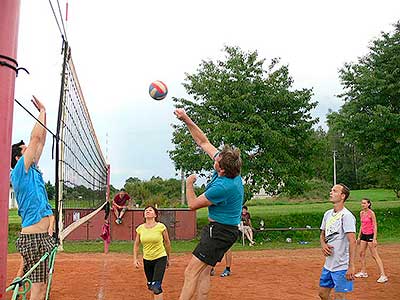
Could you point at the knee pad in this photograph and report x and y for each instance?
(155, 286)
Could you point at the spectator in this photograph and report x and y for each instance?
(245, 225)
(120, 205)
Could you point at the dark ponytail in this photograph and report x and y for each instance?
(369, 202)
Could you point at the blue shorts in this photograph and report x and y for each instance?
(335, 280)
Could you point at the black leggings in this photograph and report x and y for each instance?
(155, 269)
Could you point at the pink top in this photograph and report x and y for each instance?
(367, 223)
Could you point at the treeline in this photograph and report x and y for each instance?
(163, 192)
(250, 103)
(247, 102)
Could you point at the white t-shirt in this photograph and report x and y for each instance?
(336, 225)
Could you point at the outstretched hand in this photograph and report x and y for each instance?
(180, 113)
(39, 105)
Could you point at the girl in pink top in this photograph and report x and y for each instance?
(367, 237)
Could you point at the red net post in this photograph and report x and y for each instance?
(9, 20)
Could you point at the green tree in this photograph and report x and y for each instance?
(239, 102)
(156, 190)
(321, 159)
(51, 190)
(132, 180)
(370, 117)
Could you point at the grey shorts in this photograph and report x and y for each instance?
(32, 247)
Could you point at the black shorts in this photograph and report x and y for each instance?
(155, 269)
(215, 240)
(367, 237)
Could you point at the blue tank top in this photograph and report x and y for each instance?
(30, 191)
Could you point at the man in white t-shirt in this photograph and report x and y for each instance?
(338, 242)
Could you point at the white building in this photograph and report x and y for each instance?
(12, 201)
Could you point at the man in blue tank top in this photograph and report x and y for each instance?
(224, 198)
(35, 238)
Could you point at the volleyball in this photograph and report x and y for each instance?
(158, 90)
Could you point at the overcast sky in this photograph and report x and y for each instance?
(120, 47)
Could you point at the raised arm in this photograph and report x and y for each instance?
(38, 137)
(198, 135)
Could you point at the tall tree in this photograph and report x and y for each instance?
(50, 189)
(370, 116)
(237, 101)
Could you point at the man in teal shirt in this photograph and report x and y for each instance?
(224, 198)
(34, 209)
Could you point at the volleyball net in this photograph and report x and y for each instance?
(82, 174)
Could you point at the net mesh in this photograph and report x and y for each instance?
(82, 167)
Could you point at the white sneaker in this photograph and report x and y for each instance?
(361, 275)
(382, 279)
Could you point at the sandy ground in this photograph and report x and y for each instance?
(268, 274)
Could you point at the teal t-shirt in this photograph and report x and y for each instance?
(30, 191)
(226, 195)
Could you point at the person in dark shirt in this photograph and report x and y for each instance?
(120, 205)
(245, 225)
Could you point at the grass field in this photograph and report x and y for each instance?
(275, 214)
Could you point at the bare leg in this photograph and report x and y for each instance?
(340, 296)
(203, 287)
(363, 248)
(122, 213)
(115, 210)
(158, 297)
(38, 291)
(324, 293)
(20, 271)
(228, 258)
(192, 274)
(374, 252)
(249, 235)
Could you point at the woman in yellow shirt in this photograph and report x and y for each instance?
(156, 249)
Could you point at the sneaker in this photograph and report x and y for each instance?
(212, 272)
(382, 279)
(361, 275)
(120, 221)
(225, 273)
(117, 221)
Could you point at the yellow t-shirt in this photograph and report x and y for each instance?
(152, 241)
